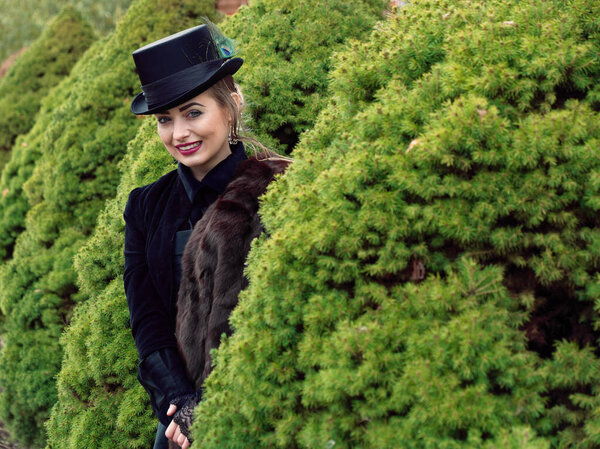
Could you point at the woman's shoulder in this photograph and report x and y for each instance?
(163, 183)
(146, 196)
(268, 163)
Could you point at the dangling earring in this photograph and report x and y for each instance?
(232, 138)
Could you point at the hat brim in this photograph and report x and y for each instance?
(139, 106)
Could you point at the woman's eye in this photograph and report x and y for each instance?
(163, 120)
(194, 113)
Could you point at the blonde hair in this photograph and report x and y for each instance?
(221, 92)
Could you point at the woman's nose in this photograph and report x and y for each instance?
(181, 130)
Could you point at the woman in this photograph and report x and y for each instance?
(187, 84)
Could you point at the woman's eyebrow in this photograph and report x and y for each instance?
(189, 105)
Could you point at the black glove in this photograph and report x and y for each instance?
(184, 415)
(163, 376)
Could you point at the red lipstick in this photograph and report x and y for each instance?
(189, 148)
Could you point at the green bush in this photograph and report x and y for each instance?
(99, 359)
(26, 150)
(48, 60)
(81, 142)
(433, 266)
(287, 46)
(22, 21)
(98, 392)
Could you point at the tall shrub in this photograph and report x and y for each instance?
(48, 60)
(22, 21)
(287, 46)
(433, 267)
(99, 359)
(27, 149)
(82, 142)
(98, 392)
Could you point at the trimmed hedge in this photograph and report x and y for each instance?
(97, 376)
(48, 60)
(98, 392)
(28, 148)
(287, 45)
(433, 265)
(22, 21)
(81, 142)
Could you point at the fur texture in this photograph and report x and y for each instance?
(213, 264)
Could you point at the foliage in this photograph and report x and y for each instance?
(81, 141)
(85, 374)
(23, 83)
(22, 21)
(287, 46)
(431, 275)
(48, 60)
(100, 402)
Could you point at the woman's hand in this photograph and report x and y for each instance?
(173, 432)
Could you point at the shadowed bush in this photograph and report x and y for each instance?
(287, 46)
(80, 144)
(22, 91)
(432, 269)
(99, 264)
(48, 60)
(98, 392)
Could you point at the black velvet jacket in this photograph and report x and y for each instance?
(153, 215)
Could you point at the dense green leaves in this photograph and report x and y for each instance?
(287, 46)
(48, 60)
(22, 21)
(98, 392)
(99, 266)
(22, 90)
(79, 142)
(432, 269)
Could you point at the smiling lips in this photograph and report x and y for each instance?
(189, 148)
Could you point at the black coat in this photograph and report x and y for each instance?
(153, 215)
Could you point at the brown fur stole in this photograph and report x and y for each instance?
(213, 264)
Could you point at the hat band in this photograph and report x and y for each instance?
(171, 87)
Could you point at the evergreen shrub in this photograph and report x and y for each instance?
(14, 203)
(432, 270)
(98, 392)
(48, 60)
(99, 264)
(287, 46)
(81, 142)
(22, 21)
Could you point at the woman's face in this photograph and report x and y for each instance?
(196, 133)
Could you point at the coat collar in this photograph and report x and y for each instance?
(216, 179)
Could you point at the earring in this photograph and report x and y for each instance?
(232, 138)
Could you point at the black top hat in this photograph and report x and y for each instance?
(181, 66)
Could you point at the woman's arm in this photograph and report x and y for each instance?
(161, 370)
